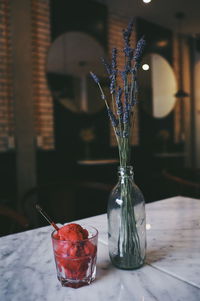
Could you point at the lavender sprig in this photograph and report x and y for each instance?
(123, 75)
(113, 119)
(113, 75)
(119, 104)
(123, 99)
(114, 59)
(107, 66)
(139, 50)
(126, 117)
(127, 33)
(128, 51)
(113, 81)
(134, 91)
(95, 78)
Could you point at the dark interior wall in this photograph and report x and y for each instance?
(154, 34)
(87, 16)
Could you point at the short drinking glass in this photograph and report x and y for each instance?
(76, 260)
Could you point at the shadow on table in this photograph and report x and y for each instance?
(104, 269)
(153, 256)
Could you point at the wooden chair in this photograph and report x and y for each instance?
(66, 201)
(180, 185)
(11, 221)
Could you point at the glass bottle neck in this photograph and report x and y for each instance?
(125, 172)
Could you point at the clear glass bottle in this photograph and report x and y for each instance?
(126, 222)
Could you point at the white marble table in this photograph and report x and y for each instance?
(171, 272)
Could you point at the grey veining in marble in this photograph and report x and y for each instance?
(173, 239)
(173, 243)
(27, 269)
(28, 274)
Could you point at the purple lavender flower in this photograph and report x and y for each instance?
(113, 119)
(128, 52)
(95, 78)
(119, 103)
(113, 81)
(113, 71)
(114, 59)
(129, 55)
(127, 33)
(122, 113)
(126, 97)
(123, 75)
(107, 65)
(126, 117)
(139, 50)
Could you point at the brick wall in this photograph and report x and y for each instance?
(6, 90)
(42, 97)
(40, 34)
(115, 26)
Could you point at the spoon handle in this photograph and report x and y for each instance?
(45, 215)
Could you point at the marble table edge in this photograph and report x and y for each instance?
(173, 198)
(173, 275)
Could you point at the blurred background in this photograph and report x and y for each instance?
(56, 143)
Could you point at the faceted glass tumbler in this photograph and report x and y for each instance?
(76, 260)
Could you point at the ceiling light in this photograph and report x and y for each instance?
(146, 1)
(145, 67)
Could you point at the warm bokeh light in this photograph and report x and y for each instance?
(162, 43)
(145, 67)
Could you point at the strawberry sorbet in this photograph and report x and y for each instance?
(72, 232)
(75, 255)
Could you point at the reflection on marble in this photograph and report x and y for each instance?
(174, 213)
(28, 273)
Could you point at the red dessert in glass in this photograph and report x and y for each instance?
(75, 251)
